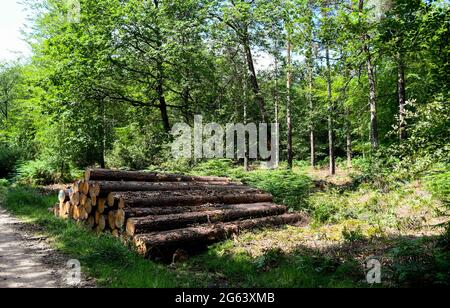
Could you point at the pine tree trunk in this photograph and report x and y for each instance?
(103, 133)
(160, 77)
(372, 102)
(330, 116)
(401, 97)
(288, 104)
(348, 132)
(310, 61)
(253, 79)
(372, 86)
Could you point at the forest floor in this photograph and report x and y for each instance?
(348, 224)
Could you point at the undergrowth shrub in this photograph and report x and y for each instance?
(43, 172)
(439, 185)
(8, 160)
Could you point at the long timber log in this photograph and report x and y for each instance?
(151, 242)
(143, 200)
(176, 221)
(141, 176)
(106, 187)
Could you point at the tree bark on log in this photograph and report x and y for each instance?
(143, 199)
(106, 187)
(149, 243)
(167, 210)
(176, 221)
(141, 176)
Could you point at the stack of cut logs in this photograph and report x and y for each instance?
(167, 210)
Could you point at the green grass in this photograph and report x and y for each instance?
(363, 217)
(275, 269)
(114, 264)
(101, 256)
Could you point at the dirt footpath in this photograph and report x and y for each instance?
(26, 260)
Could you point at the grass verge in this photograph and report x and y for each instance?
(103, 257)
(113, 264)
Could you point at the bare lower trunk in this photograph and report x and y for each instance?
(330, 117)
(348, 132)
(401, 98)
(372, 102)
(253, 79)
(372, 86)
(310, 61)
(103, 140)
(160, 81)
(288, 106)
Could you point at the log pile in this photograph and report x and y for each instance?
(157, 211)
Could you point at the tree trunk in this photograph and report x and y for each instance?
(177, 221)
(148, 199)
(372, 102)
(147, 244)
(401, 97)
(253, 79)
(276, 94)
(288, 104)
(348, 132)
(310, 62)
(141, 176)
(160, 77)
(330, 116)
(246, 168)
(372, 87)
(103, 134)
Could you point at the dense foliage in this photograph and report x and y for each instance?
(105, 88)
